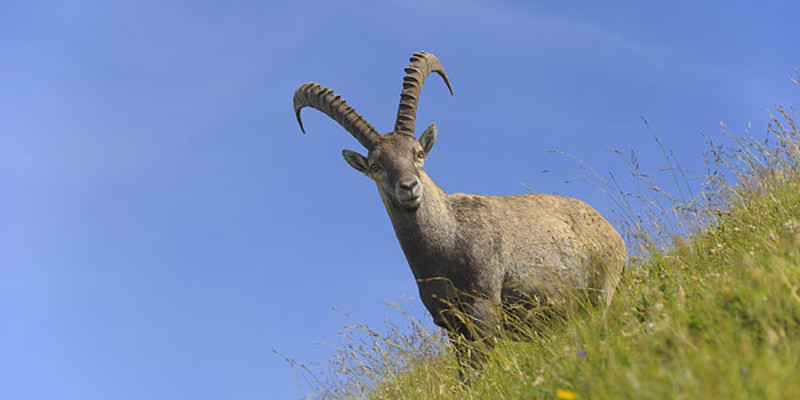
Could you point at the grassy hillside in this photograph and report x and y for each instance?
(713, 314)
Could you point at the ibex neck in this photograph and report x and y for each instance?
(427, 230)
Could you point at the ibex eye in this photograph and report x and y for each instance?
(375, 168)
(420, 155)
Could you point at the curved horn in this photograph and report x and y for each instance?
(422, 64)
(323, 99)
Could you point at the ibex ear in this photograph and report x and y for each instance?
(356, 161)
(427, 138)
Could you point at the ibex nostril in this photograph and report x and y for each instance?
(409, 186)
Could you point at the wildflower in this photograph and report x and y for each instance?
(791, 226)
(772, 236)
(581, 353)
(562, 394)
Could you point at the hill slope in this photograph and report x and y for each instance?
(715, 315)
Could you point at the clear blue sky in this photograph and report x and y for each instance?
(164, 224)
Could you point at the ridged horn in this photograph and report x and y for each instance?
(422, 64)
(323, 99)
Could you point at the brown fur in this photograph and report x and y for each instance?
(474, 255)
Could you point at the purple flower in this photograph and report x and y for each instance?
(581, 353)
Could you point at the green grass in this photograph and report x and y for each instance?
(714, 313)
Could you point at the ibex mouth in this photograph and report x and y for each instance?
(411, 203)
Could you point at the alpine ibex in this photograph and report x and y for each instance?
(474, 255)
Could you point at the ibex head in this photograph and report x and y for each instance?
(395, 160)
